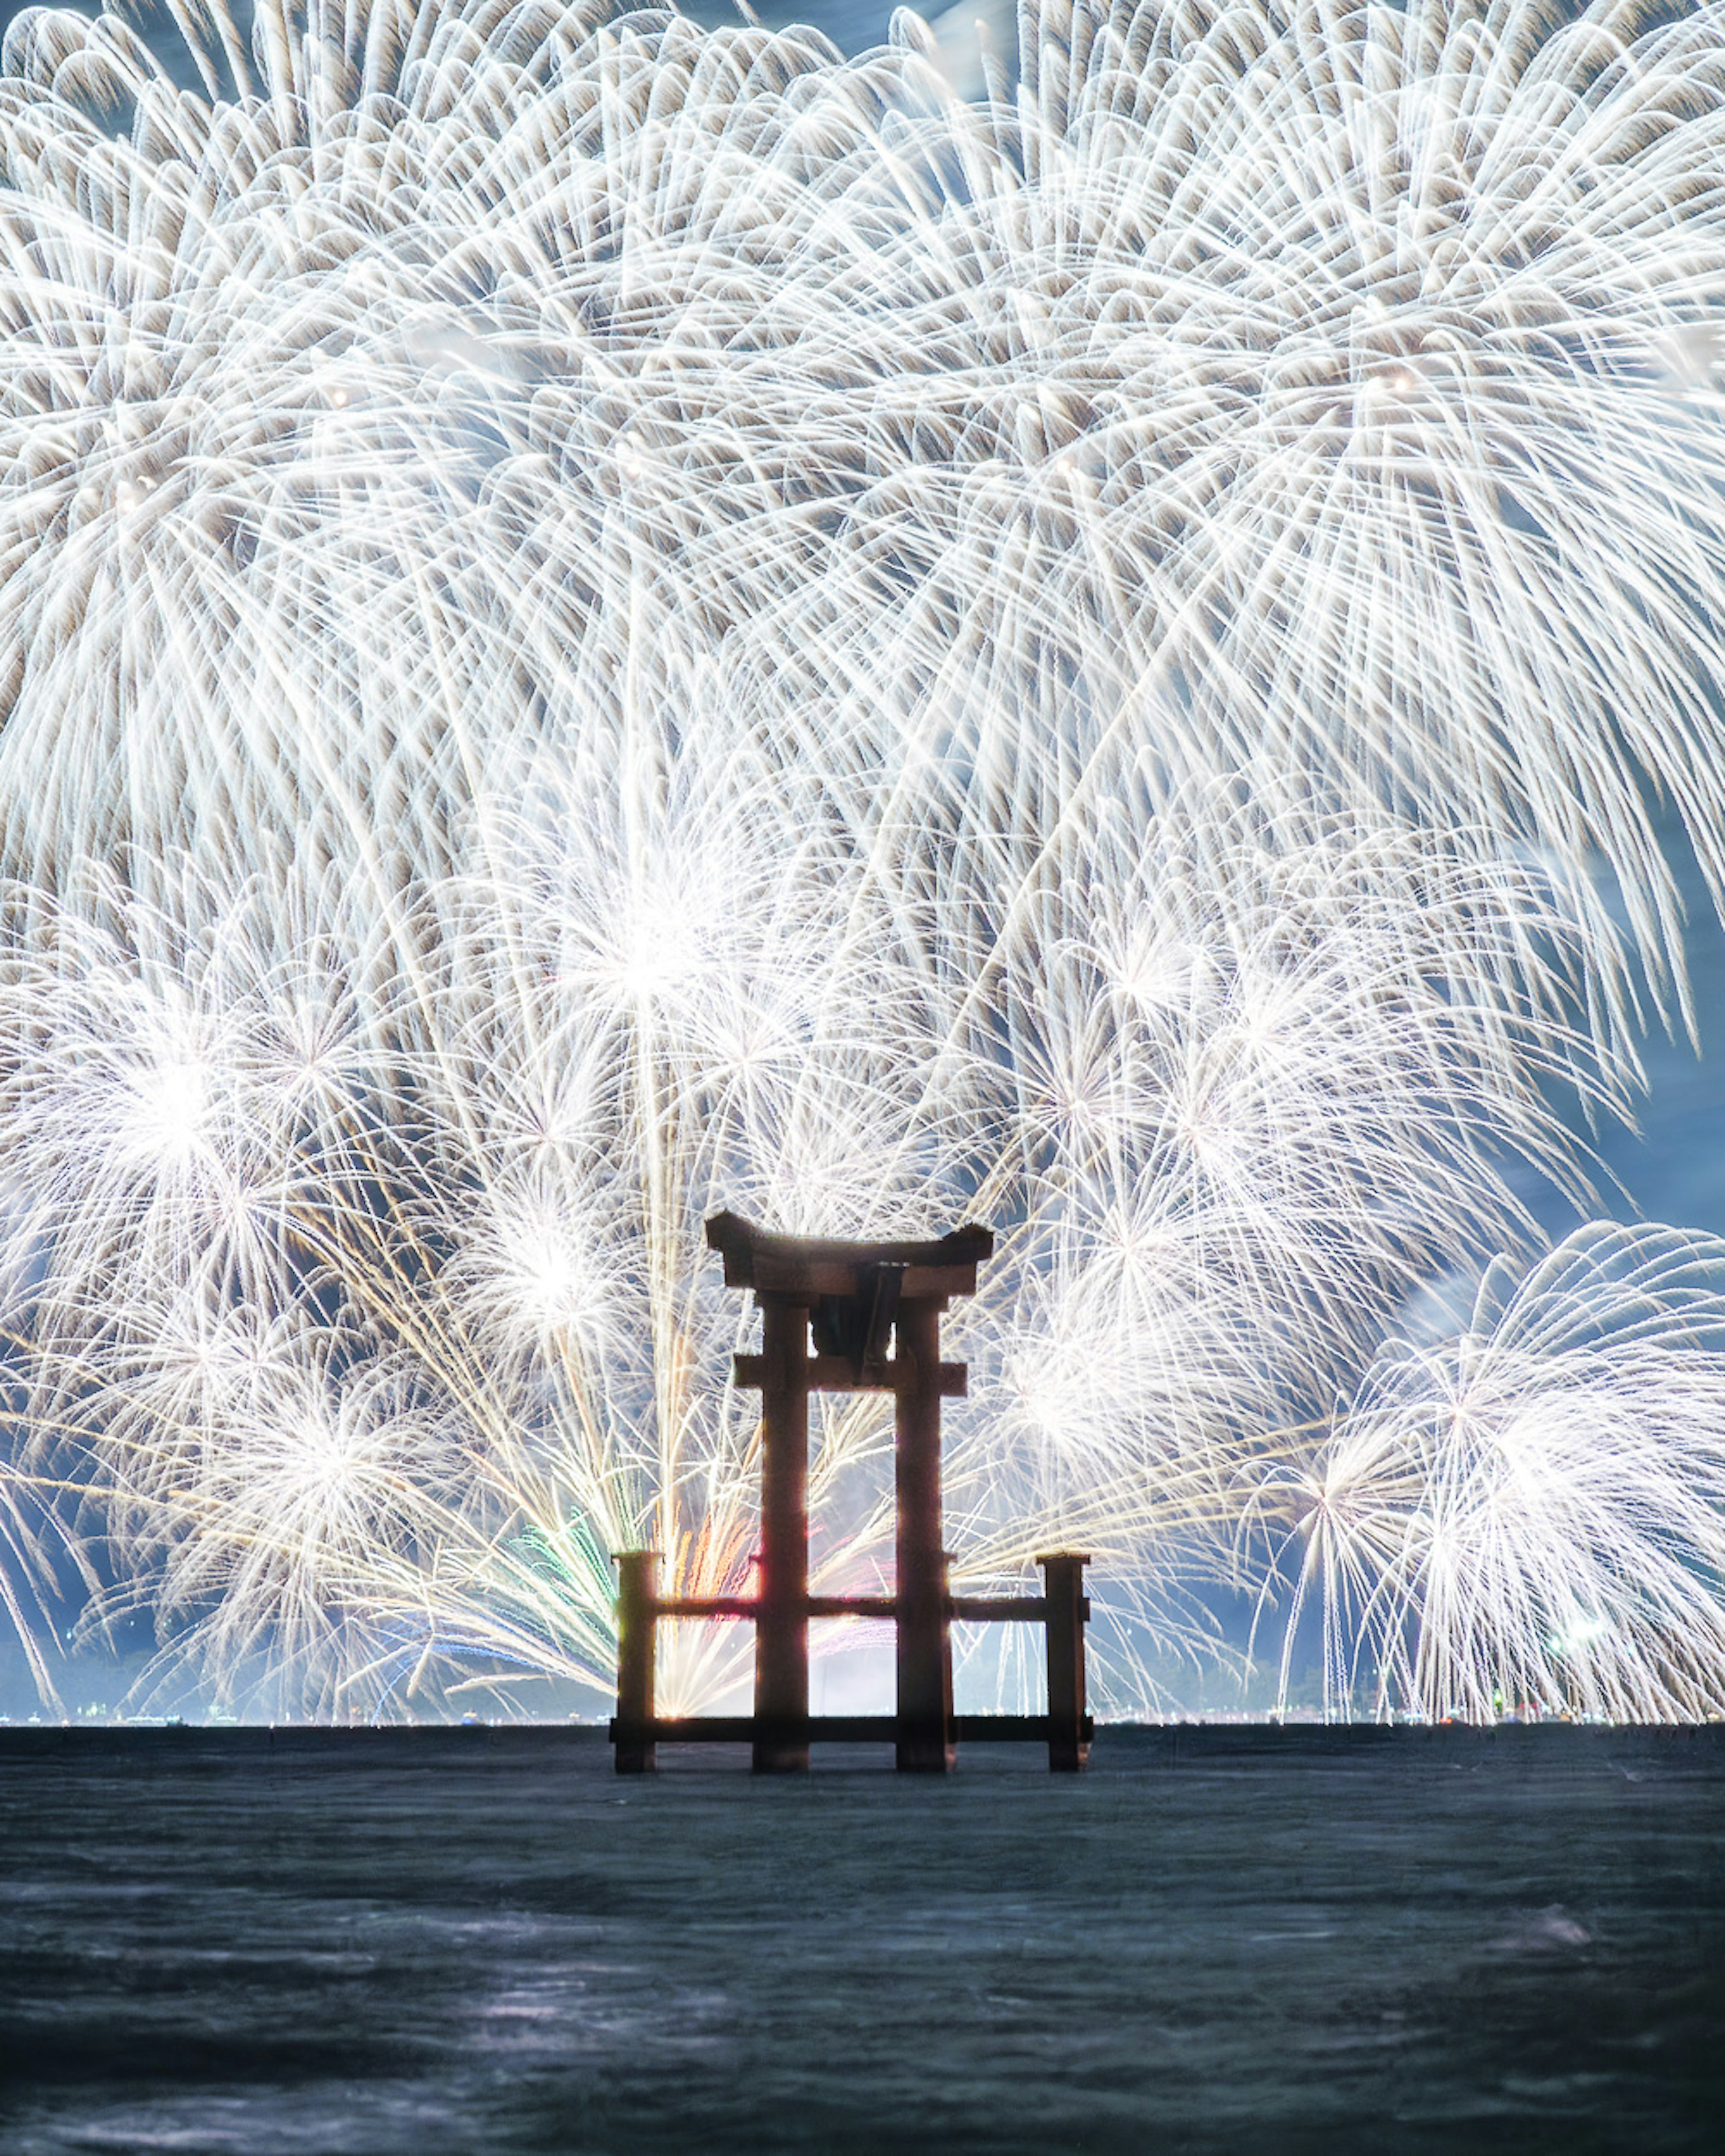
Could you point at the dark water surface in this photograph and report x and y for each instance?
(355, 1942)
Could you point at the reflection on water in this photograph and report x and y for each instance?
(357, 1943)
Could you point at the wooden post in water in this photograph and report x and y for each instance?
(637, 1650)
(1068, 1610)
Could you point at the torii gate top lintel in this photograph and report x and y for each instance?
(798, 1266)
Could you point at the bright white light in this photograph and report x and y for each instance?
(166, 1115)
(1101, 661)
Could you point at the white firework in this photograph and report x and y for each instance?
(723, 626)
(1533, 1513)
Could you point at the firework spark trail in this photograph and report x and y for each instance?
(723, 627)
(1533, 1511)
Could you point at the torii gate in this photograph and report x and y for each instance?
(857, 1300)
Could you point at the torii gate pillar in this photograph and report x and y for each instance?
(781, 1743)
(925, 1742)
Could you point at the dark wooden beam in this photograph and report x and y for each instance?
(837, 1729)
(804, 1265)
(834, 1373)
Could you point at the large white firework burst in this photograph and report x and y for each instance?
(602, 618)
(1532, 1514)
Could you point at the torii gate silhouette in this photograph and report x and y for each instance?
(872, 1313)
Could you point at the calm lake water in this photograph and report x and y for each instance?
(356, 1944)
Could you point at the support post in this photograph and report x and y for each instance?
(781, 1744)
(1067, 1609)
(637, 1648)
(925, 1737)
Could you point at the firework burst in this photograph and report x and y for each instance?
(1532, 1511)
(723, 627)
